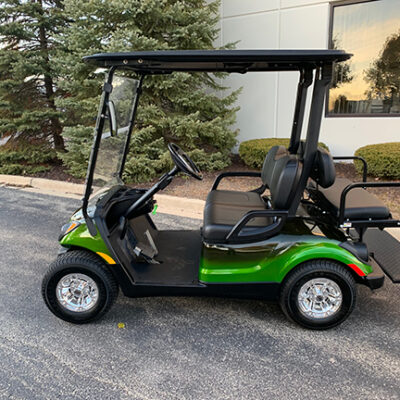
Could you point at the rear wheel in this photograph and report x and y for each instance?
(78, 287)
(319, 294)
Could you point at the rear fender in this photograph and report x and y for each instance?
(329, 251)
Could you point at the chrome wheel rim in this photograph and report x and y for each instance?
(77, 292)
(320, 298)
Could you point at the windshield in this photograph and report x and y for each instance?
(115, 132)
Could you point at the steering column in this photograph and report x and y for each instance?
(183, 163)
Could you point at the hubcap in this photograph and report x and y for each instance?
(320, 298)
(77, 292)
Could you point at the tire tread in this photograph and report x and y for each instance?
(85, 258)
(309, 267)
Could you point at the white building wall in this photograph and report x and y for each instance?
(267, 99)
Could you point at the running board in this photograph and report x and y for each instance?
(386, 252)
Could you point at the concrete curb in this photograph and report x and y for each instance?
(47, 185)
(58, 186)
(15, 180)
(180, 206)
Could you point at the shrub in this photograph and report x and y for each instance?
(18, 169)
(383, 159)
(141, 168)
(23, 158)
(253, 152)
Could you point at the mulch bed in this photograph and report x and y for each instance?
(58, 173)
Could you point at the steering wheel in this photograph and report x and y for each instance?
(184, 162)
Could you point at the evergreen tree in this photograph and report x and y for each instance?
(27, 79)
(188, 109)
(342, 73)
(384, 73)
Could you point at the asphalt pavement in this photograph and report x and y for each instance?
(176, 348)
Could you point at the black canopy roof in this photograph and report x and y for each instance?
(219, 60)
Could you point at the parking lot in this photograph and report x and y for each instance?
(176, 348)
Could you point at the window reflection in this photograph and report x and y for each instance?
(369, 83)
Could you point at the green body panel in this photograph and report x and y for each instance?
(270, 261)
(80, 237)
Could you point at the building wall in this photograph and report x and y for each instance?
(267, 99)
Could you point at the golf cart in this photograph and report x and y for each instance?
(299, 238)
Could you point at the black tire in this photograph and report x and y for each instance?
(312, 270)
(80, 262)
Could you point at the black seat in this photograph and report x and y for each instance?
(326, 190)
(280, 173)
(360, 204)
(235, 198)
(224, 208)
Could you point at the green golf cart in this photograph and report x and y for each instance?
(299, 238)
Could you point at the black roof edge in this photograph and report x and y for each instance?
(164, 61)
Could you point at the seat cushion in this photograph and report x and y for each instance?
(360, 204)
(236, 198)
(224, 208)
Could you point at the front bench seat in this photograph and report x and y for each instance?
(281, 172)
(248, 199)
(236, 199)
(326, 189)
(225, 207)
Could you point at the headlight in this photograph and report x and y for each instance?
(67, 228)
(78, 215)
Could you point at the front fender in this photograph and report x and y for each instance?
(81, 237)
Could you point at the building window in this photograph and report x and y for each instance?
(369, 83)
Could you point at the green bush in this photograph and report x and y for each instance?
(383, 160)
(22, 158)
(140, 168)
(18, 169)
(253, 152)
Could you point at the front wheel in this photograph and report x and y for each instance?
(319, 294)
(78, 287)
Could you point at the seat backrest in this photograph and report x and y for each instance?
(281, 173)
(323, 171)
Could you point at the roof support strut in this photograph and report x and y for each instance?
(323, 77)
(131, 124)
(306, 78)
(101, 117)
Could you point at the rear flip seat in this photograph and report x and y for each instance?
(360, 204)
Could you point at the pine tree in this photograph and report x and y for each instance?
(383, 74)
(27, 78)
(188, 109)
